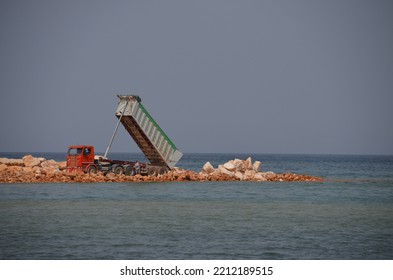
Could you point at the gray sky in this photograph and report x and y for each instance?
(218, 76)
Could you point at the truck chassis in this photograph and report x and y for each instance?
(129, 168)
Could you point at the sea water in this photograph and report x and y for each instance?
(349, 216)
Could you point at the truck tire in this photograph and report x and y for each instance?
(118, 169)
(162, 170)
(129, 170)
(152, 171)
(92, 169)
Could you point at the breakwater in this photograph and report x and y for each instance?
(31, 169)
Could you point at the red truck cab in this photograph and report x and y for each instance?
(82, 159)
(79, 158)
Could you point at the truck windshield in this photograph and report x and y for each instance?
(75, 151)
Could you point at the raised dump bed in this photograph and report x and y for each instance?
(145, 131)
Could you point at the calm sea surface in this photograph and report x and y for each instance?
(348, 217)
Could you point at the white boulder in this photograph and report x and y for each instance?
(50, 167)
(249, 174)
(260, 177)
(230, 166)
(15, 161)
(4, 160)
(248, 164)
(239, 164)
(239, 175)
(256, 166)
(244, 170)
(30, 161)
(221, 169)
(207, 168)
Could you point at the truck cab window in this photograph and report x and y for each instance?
(75, 151)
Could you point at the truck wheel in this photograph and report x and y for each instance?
(152, 171)
(92, 169)
(162, 170)
(129, 170)
(118, 169)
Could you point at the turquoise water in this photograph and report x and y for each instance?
(347, 219)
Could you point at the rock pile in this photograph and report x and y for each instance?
(243, 170)
(246, 170)
(30, 169)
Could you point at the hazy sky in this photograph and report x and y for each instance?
(218, 76)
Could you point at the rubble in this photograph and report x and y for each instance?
(3, 167)
(11, 161)
(246, 170)
(30, 170)
(30, 161)
(207, 168)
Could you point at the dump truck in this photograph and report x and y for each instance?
(161, 152)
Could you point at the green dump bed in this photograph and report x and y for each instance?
(147, 134)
